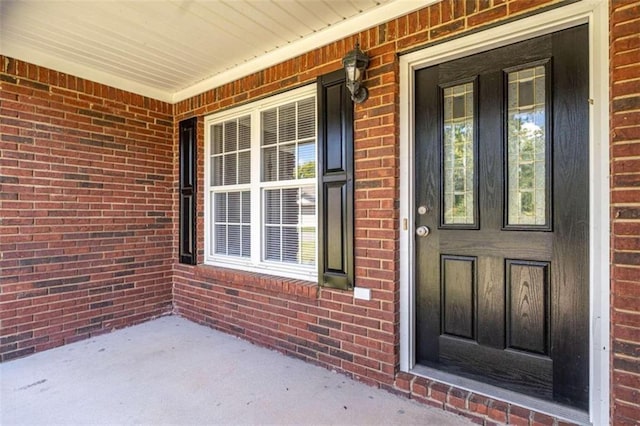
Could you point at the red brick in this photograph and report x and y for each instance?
(517, 6)
(519, 415)
(403, 381)
(439, 391)
(498, 410)
(420, 387)
(487, 16)
(458, 398)
(478, 404)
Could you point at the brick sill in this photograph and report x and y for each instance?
(561, 412)
(259, 281)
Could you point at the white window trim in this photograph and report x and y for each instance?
(595, 13)
(255, 263)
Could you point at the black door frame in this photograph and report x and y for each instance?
(596, 15)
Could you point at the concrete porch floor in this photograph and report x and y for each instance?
(172, 371)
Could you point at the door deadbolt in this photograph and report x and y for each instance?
(422, 231)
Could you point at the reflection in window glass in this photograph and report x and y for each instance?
(288, 142)
(288, 148)
(458, 155)
(290, 225)
(230, 164)
(526, 147)
(230, 152)
(232, 214)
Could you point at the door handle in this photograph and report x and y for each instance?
(422, 231)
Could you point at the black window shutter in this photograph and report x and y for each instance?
(335, 183)
(188, 150)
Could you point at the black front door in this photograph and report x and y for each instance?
(502, 184)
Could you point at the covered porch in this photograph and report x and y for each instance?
(172, 371)
(151, 180)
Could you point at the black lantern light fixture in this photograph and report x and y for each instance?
(355, 62)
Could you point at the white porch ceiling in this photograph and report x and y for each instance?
(173, 49)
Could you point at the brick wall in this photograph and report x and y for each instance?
(625, 214)
(328, 327)
(86, 199)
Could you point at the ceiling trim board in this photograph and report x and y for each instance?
(336, 32)
(84, 72)
(347, 27)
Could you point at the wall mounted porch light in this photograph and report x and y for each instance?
(355, 62)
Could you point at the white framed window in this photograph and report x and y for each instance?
(260, 186)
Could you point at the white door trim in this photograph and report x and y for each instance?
(596, 14)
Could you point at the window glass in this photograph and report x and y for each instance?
(232, 216)
(526, 147)
(458, 155)
(264, 155)
(230, 152)
(288, 141)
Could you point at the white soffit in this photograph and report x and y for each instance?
(173, 49)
